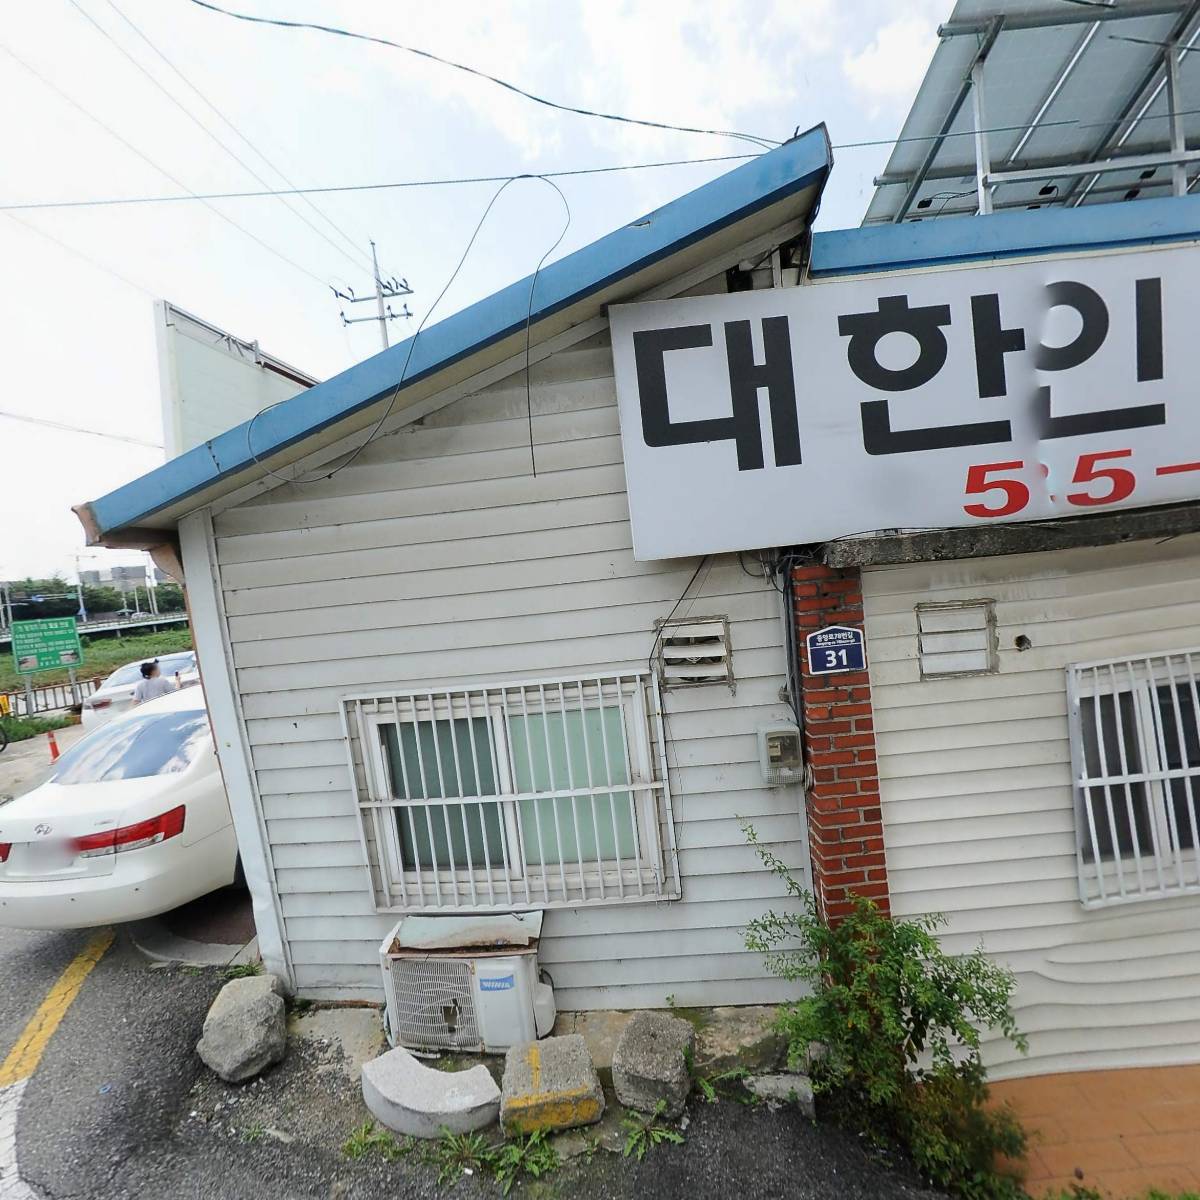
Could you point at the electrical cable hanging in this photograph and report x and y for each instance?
(412, 344)
(511, 87)
(353, 246)
(191, 116)
(161, 170)
(462, 180)
(529, 316)
(455, 181)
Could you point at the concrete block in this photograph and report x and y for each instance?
(409, 1097)
(650, 1063)
(245, 1030)
(551, 1084)
(784, 1088)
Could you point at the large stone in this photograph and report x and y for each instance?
(549, 1085)
(246, 1028)
(784, 1088)
(650, 1063)
(409, 1097)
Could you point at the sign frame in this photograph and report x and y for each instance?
(1023, 390)
(46, 644)
(851, 644)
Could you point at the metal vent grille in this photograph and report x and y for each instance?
(695, 651)
(434, 1005)
(958, 638)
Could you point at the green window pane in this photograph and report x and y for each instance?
(437, 834)
(552, 752)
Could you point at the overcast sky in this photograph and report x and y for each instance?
(76, 326)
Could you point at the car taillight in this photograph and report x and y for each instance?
(97, 703)
(131, 837)
(5, 847)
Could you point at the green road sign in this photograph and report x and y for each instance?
(42, 645)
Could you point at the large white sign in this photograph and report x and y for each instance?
(956, 397)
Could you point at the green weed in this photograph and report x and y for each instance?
(903, 1022)
(456, 1153)
(244, 970)
(643, 1133)
(532, 1156)
(369, 1141)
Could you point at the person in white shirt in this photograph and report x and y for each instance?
(152, 684)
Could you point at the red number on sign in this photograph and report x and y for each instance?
(1016, 493)
(1087, 469)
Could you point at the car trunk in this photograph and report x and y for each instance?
(41, 827)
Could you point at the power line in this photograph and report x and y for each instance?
(116, 437)
(110, 201)
(80, 254)
(511, 87)
(412, 343)
(191, 116)
(350, 241)
(161, 170)
(454, 181)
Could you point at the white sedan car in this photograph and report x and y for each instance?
(133, 822)
(114, 697)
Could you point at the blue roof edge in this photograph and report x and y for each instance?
(796, 165)
(1002, 235)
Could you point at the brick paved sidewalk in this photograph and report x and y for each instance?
(1126, 1131)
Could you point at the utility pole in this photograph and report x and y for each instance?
(385, 290)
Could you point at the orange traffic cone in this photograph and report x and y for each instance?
(53, 745)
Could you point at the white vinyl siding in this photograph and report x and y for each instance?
(978, 805)
(437, 560)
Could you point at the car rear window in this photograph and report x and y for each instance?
(136, 748)
(167, 665)
(122, 675)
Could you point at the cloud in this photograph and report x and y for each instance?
(888, 71)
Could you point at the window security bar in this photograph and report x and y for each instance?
(1135, 751)
(514, 796)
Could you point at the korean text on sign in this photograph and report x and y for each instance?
(951, 398)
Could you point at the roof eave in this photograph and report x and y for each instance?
(618, 266)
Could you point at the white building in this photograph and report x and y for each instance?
(436, 674)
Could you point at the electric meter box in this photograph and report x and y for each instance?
(780, 756)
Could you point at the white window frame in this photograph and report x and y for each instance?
(519, 881)
(1165, 868)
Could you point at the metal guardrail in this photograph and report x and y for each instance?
(50, 697)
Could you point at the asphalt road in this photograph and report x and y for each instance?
(120, 1108)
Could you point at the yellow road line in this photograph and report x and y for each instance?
(25, 1055)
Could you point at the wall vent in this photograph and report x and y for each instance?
(695, 652)
(958, 638)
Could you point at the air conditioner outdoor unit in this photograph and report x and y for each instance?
(465, 983)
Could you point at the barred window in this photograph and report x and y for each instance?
(1136, 759)
(524, 795)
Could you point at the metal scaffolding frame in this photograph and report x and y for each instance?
(1086, 171)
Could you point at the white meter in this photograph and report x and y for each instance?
(780, 754)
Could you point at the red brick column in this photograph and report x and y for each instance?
(845, 826)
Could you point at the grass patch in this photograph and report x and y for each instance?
(102, 656)
(643, 1133)
(456, 1154)
(368, 1141)
(532, 1156)
(20, 729)
(244, 970)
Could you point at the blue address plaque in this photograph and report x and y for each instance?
(836, 648)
